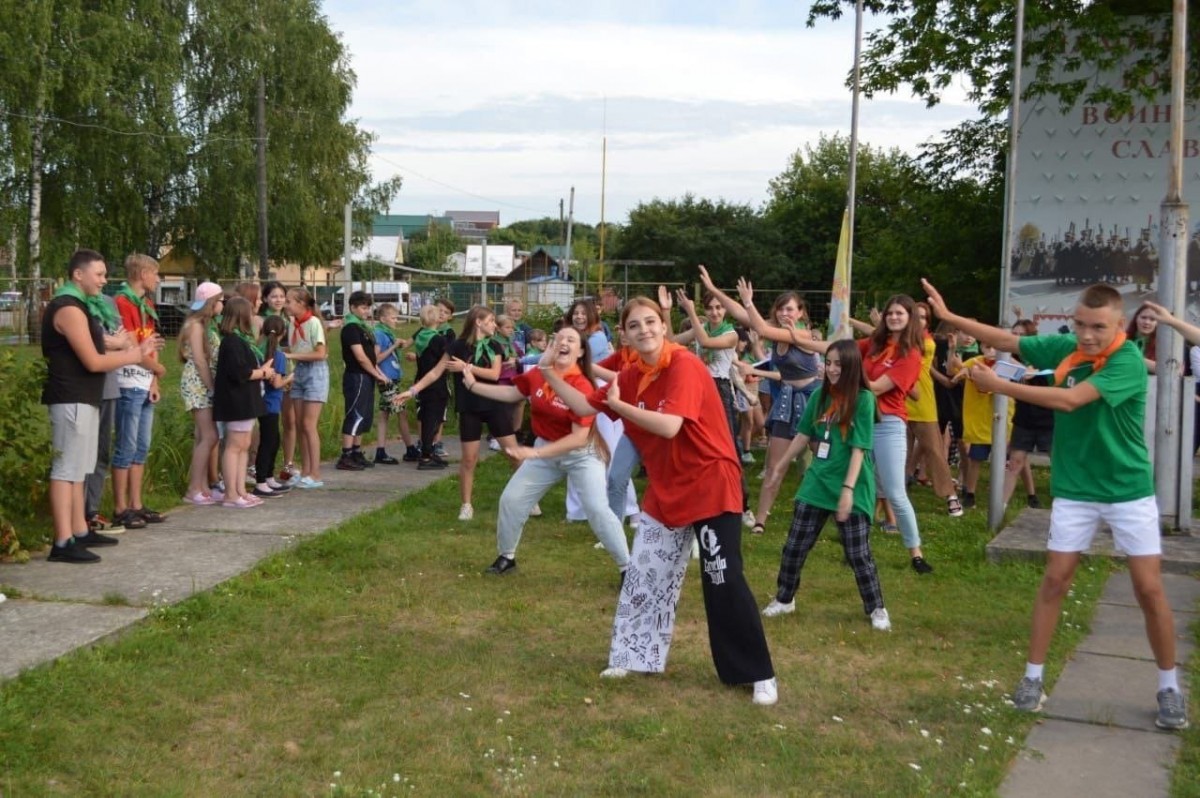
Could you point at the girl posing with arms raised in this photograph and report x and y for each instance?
(674, 417)
(564, 448)
(840, 420)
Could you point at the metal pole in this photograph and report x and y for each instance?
(347, 255)
(483, 274)
(852, 177)
(999, 402)
(1172, 293)
(261, 156)
(570, 225)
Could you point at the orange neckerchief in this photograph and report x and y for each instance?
(1077, 357)
(887, 352)
(548, 390)
(629, 356)
(298, 324)
(650, 373)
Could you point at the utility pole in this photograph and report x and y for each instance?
(261, 155)
(570, 223)
(347, 266)
(483, 274)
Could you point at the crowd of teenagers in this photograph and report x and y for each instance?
(867, 421)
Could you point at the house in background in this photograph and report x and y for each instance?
(389, 232)
(537, 278)
(474, 226)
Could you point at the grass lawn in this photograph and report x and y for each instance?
(377, 659)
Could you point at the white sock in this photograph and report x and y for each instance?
(1033, 671)
(1168, 680)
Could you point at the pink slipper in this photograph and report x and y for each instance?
(200, 499)
(241, 503)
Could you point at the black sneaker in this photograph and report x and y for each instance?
(501, 566)
(920, 566)
(130, 519)
(361, 459)
(438, 458)
(968, 501)
(412, 454)
(150, 516)
(431, 464)
(347, 463)
(72, 553)
(92, 539)
(266, 494)
(383, 458)
(1033, 502)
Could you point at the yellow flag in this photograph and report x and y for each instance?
(839, 304)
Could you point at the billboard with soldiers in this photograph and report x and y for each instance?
(1089, 184)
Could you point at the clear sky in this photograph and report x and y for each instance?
(504, 105)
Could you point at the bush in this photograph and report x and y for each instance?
(25, 457)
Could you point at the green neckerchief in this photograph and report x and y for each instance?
(214, 326)
(380, 327)
(445, 328)
(972, 350)
(354, 321)
(533, 349)
(269, 312)
(1140, 342)
(143, 306)
(505, 344)
(423, 337)
(483, 346)
(249, 339)
(725, 326)
(96, 306)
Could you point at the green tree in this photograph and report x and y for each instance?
(730, 239)
(429, 249)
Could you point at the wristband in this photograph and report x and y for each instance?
(848, 487)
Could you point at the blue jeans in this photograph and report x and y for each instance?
(134, 422)
(623, 462)
(891, 450)
(534, 478)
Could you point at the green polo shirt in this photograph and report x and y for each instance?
(1099, 452)
(822, 485)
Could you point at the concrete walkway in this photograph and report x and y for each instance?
(1097, 735)
(53, 608)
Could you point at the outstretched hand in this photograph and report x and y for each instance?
(664, 297)
(1160, 312)
(705, 279)
(685, 301)
(935, 300)
(985, 379)
(745, 291)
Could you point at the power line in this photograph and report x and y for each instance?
(402, 168)
(128, 133)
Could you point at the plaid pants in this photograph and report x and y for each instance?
(807, 522)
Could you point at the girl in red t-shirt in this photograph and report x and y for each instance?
(674, 416)
(564, 448)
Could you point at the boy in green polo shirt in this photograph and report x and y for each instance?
(1100, 472)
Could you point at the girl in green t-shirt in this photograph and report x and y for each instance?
(840, 422)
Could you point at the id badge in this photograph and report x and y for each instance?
(823, 450)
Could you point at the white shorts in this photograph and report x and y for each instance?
(1134, 526)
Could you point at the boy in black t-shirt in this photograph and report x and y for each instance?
(358, 381)
(429, 344)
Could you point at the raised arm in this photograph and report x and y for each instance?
(731, 306)
(1002, 339)
(724, 341)
(1190, 332)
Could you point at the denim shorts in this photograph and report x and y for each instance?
(310, 382)
(134, 421)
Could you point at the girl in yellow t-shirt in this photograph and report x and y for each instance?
(977, 422)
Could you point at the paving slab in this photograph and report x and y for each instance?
(1063, 758)
(149, 567)
(1183, 592)
(1119, 630)
(1107, 691)
(299, 513)
(39, 631)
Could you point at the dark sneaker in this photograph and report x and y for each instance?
(269, 493)
(920, 566)
(439, 449)
(968, 501)
(150, 516)
(431, 464)
(92, 539)
(501, 566)
(72, 553)
(1172, 710)
(1033, 502)
(412, 454)
(347, 463)
(383, 458)
(361, 459)
(130, 519)
(1028, 696)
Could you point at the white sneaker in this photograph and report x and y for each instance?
(747, 458)
(777, 607)
(766, 692)
(494, 445)
(466, 513)
(695, 549)
(536, 512)
(880, 620)
(613, 673)
(748, 519)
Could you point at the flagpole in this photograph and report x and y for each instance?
(1000, 402)
(852, 175)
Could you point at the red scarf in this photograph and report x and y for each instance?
(548, 390)
(298, 324)
(1078, 357)
(650, 372)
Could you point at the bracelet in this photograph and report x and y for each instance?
(848, 487)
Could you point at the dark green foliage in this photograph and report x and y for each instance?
(25, 456)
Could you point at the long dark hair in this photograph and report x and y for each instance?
(1151, 345)
(475, 315)
(911, 338)
(236, 316)
(593, 316)
(783, 299)
(842, 396)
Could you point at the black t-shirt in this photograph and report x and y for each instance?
(425, 363)
(363, 336)
(67, 380)
(1030, 416)
(235, 396)
(464, 400)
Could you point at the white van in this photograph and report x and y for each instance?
(381, 291)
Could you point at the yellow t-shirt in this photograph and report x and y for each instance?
(925, 408)
(977, 411)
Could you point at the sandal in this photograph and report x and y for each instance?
(757, 529)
